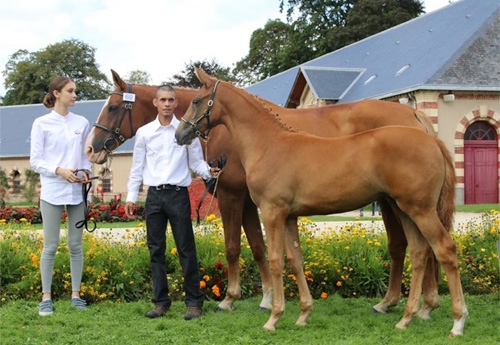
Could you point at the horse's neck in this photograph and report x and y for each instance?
(253, 129)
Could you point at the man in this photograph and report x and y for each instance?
(163, 165)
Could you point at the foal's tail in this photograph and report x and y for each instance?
(424, 120)
(446, 201)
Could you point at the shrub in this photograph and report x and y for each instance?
(350, 261)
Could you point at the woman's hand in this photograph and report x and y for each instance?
(68, 175)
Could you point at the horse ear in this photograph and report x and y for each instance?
(203, 77)
(120, 85)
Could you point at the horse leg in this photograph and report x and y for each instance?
(253, 231)
(397, 244)
(231, 206)
(274, 225)
(419, 250)
(296, 262)
(446, 253)
(430, 288)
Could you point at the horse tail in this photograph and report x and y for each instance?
(446, 201)
(424, 119)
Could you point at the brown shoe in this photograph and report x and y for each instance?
(192, 313)
(157, 311)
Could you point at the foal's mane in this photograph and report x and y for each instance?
(276, 116)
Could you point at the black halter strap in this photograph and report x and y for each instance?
(127, 109)
(206, 115)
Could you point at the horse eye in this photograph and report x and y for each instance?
(113, 109)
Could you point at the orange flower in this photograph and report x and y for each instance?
(202, 284)
(339, 283)
(324, 295)
(34, 259)
(206, 277)
(215, 290)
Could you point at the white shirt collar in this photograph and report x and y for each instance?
(174, 122)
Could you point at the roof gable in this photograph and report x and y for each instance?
(326, 83)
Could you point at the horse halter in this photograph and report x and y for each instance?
(206, 115)
(128, 98)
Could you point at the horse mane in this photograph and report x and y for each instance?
(264, 105)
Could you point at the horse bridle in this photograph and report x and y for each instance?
(206, 115)
(127, 109)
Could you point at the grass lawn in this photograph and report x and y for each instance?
(333, 321)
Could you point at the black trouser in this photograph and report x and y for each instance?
(171, 204)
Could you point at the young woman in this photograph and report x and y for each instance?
(57, 154)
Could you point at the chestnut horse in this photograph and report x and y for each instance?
(116, 124)
(291, 174)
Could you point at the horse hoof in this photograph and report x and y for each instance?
(223, 309)
(375, 311)
(262, 309)
(269, 328)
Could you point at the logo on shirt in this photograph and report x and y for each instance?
(77, 132)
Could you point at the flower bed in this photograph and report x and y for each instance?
(352, 261)
(114, 210)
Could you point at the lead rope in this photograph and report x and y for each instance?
(210, 183)
(85, 193)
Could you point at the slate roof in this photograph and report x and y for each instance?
(16, 122)
(453, 48)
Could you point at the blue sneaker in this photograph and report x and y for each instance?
(45, 308)
(78, 303)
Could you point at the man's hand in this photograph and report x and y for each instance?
(129, 210)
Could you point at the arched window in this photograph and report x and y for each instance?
(480, 131)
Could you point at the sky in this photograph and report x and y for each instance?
(156, 36)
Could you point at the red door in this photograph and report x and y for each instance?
(481, 164)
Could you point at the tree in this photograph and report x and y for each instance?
(316, 19)
(187, 77)
(369, 17)
(138, 77)
(28, 74)
(275, 48)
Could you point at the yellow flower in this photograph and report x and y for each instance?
(339, 283)
(173, 251)
(324, 295)
(347, 248)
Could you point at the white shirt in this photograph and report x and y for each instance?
(59, 141)
(158, 159)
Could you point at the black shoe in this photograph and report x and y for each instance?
(157, 311)
(193, 313)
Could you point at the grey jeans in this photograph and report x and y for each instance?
(51, 216)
